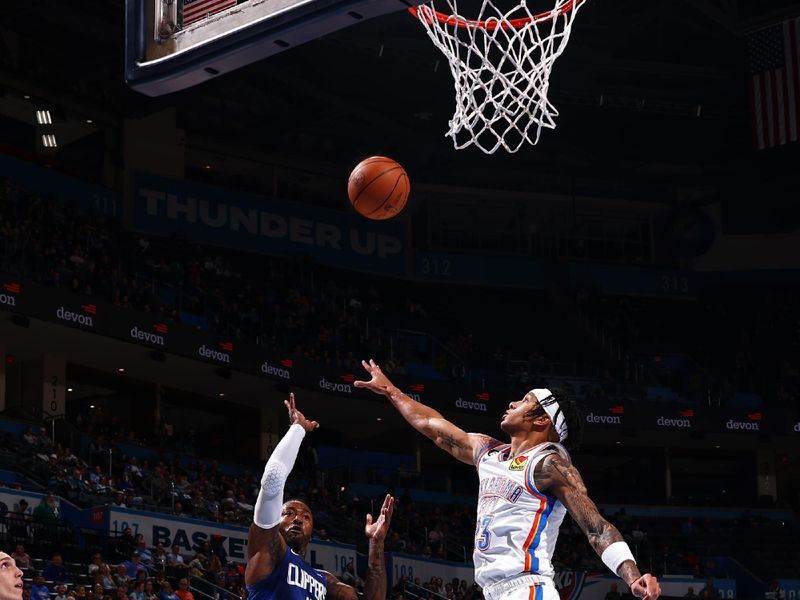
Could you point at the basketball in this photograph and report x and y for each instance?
(378, 188)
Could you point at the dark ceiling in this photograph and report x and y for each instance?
(672, 76)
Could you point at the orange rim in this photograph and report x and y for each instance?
(428, 14)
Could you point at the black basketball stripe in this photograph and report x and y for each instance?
(373, 180)
(389, 195)
(375, 160)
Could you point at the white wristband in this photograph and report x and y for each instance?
(616, 554)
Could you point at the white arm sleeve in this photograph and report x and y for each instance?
(267, 512)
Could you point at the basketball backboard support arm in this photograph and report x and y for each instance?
(161, 58)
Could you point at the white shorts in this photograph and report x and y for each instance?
(522, 587)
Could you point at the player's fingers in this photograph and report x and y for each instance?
(365, 364)
(369, 519)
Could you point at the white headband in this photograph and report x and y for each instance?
(553, 411)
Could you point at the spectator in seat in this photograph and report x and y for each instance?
(47, 517)
(351, 578)
(21, 557)
(19, 521)
(183, 592)
(218, 549)
(54, 570)
(175, 559)
(149, 590)
(97, 562)
(134, 566)
(198, 565)
(690, 595)
(159, 561)
(120, 577)
(166, 592)
(104, 579)
(126, 543)
(144, 552)
(61, 592)
(138, 591)
(39, 590)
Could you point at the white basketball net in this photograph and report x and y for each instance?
(501, 62)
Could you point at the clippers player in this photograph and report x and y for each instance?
(526, 487)
(10, 578)
(278, 538)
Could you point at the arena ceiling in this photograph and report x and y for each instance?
(652, 93)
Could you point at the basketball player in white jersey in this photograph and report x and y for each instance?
(526, 487)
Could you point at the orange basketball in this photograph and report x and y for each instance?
(378, 187)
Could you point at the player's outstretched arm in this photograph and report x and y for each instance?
(265, 545)
(559, 477)
(375, 581)
(427, 421)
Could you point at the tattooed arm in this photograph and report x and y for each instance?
(427, 421)
(558, 477)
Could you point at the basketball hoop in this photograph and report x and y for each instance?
(501, 63)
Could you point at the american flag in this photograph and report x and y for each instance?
(775, 85)
(194, 10)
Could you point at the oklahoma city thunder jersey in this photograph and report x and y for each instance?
(517, 525)
(292, 579)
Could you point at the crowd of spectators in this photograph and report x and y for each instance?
(191, 487)
(329, 316)
(140, 574)
(333, 317)
(731, 348)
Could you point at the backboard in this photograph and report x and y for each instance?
(174, 44)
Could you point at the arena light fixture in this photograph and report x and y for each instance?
(43, 117)
(49, 140)
(69, 389)
(121, 370)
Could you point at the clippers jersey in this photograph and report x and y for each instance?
(517, 525)
(292, 579)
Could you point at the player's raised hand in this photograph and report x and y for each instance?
(377, 531)
(646, 587)
(378, 382)
(295, 416)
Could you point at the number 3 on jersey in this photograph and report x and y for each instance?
(483, 537)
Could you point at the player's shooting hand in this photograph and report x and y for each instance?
(646, 587)
(377, 531)
(378, 383)
(295, 416)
